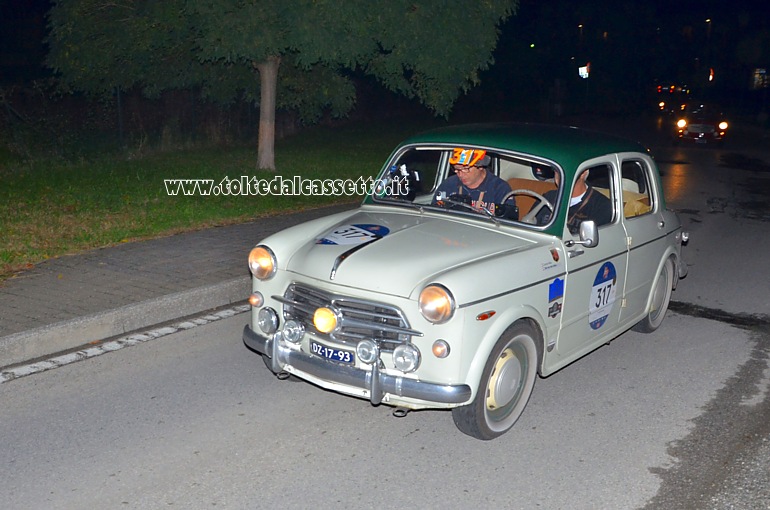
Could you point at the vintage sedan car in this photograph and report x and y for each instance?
(701, 123)
(418, 299)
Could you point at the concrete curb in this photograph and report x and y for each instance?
(53, 338)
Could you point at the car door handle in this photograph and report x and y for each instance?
(574, 253)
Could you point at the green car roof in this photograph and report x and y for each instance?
(566, 146)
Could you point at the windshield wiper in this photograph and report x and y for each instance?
(400, 201)
(468, 206)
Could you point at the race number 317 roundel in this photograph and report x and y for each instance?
(602, 295)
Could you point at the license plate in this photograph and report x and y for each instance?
(330, 353)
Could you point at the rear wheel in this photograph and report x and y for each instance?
(661, 296)
(506, 385)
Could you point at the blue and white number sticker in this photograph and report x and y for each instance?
(353, 234)
(602, 295)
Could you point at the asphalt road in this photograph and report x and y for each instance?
(193, 420)
(676, 419)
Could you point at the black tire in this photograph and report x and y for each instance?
(505, 387)
(661, 296)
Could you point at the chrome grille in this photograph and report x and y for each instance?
(701, 128)
(360, 318)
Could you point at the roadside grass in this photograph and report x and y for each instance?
(50, 208)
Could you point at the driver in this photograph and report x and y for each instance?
(473, 183)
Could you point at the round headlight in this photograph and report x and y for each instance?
(436, 303)
(293, 331)
(723, 125)
(681, 123)
(406, 357)
(267, 320)
(325, 320)
(262, 263)
(367, 351)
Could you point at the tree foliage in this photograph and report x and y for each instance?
(431, 50)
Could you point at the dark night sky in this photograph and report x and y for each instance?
(22, 25)
(22, 30)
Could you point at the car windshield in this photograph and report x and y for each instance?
(703, 111)
(471, 181)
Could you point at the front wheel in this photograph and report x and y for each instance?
(661, 296)
(505, 387)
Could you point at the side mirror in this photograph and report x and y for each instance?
(589, 235)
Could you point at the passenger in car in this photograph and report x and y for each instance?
(585, 204)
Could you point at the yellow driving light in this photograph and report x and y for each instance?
(681, 123)
(262, 262)
(325, 320)
(436, 303)
(723, 125)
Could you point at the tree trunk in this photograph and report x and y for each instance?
(268, 75)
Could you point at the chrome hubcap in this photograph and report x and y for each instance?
(505, 381)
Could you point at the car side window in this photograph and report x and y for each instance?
(600, 178)
(637, 196)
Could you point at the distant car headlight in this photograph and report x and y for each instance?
(681, 123)
(723, 125)
(436, 303)
(406, 357)
(262, 262)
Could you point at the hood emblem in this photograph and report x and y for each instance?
(357, 235)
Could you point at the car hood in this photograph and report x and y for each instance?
(399, 252)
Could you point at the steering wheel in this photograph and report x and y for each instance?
(531, 216)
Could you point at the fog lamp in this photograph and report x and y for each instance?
(723, 125)
(267, 320)
(293, 331)
(325, 320)
(440, 348)
(367, 351)
(406, 357)
(256, 299)
(681, 123)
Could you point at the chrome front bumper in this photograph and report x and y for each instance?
(376, 382)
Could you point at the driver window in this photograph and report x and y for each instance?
(592, 197)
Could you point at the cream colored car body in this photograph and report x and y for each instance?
(500, 273)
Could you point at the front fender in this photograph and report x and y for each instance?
(474, 362)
